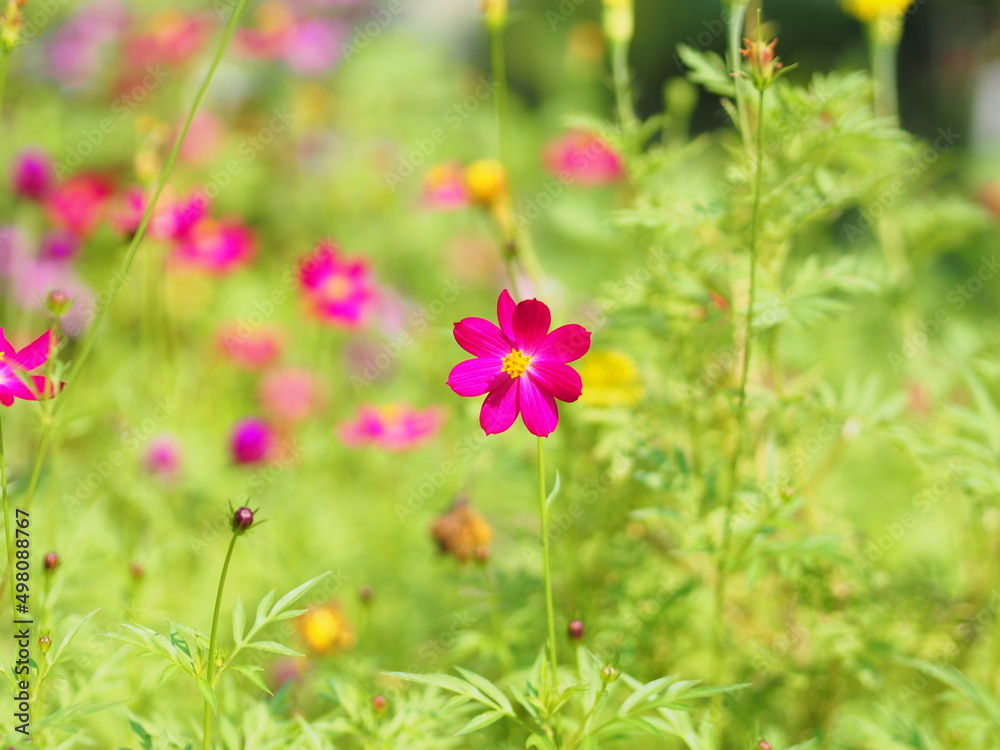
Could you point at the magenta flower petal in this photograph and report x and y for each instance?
(531, 322)
(36, 353)
(474, 377)
(500, 408)
(538, 409)
(505, 314)
(562, 381)
(481, 338)
(5, 346)
(565, 344)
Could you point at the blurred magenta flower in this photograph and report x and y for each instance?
(172, 38)
(249, 347)
(520, 365)
(584, 158)
(253, 440)
(291, 394)
(79, 47)
(58, 244)
(314, 46)
(79, 203)
(394, 427)
(203, 140)
(163, 456)
(217, 246)
(16, 363)
(444, 187)
(31, 176)
(338, 291)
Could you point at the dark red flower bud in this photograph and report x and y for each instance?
(575, 630)
(242, 520)
(379, 703)
(51, 561)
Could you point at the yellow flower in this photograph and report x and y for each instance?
(462, 533)
(486, 182)
(496, 12)
(875, 10)
(610, 378)
(325, 629)
(619, 20)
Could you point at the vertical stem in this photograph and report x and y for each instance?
(723, 562)
(4, 52)
(549, 608)
(6, 521)
(212, 641)
(883, 41)
(737, 19)
(102, 311)
(623, 90)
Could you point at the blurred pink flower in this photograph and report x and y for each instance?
(268, 38)
(314, 47)
(338, 291)
(77, 49)
(444, 187)
(172, 38)
(163, 456)
(127, 209)
(31, 176)
(291, 394)
(584, 158)
(248, 347)
(203, 139)
(252, 441)
(217, 246)
(394, 427)
(58, 245)
(79, 203)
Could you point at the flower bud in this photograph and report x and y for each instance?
(619, 20)
(365, 594)
(242, 520)
(765, 66)
(495, 12)
(575, 630)
(58, 303)
(609, 674)
(44, 644)
(51, 562)
(379, 703)
(137, 571)
(763, 745)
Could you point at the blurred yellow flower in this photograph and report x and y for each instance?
(874, 10)
(462, 533)
(325, 629)
(486, 182)
(619, 20)
(610, 378)
(496, 12)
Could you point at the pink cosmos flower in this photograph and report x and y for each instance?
(584, 158)
(15, 364)
(314, 46)
(252, 441)
(339, 291)
(216, 246)
(520, 365)
(395, 427)
(32, 174)
(444, 187)
(78, 204)
(163, 457)
(250, 348)
(58, 245)
(291, 394)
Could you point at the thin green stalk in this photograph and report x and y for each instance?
(720, 590)
(737, 20)
(4, 52)
(883, 42)
(6, 518)
(549, 608)
(623, 89)
(213, 640)
(102, 311)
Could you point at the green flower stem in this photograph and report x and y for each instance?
(4, 52)
(623, 88)
(102, 311)
(883, 42)
(737, 20)
(213, 641)
(8, 530)
(549, 608)
(723, 561)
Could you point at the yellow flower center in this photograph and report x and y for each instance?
(337, 288)
(515, 363)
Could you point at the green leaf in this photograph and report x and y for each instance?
(540, 742)
(708, 70)
(644, 693)
(479, 722)
(207, 693)
(239, 621)
(252, 673)
(274, 648)
(262, 609)
(145, 740)
(69, 637)
(168, 674)
(491, 690)
(288, 599)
